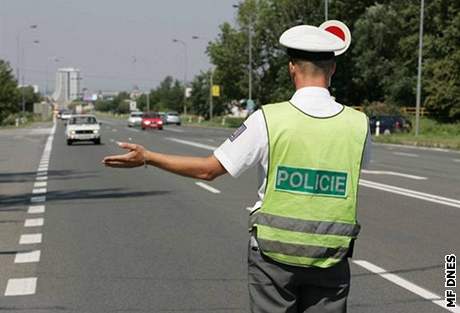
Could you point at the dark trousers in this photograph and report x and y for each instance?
(280, 288)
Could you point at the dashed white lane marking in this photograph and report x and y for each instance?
(207, 187)
(193, 144)
(42, 169)
(36, 209)
(412, 155)
(393, 174)
(175, 130)
(40, 184)
(41, 178)
(39, 191)
(44, 173)
(21, 286)
(38, 199)
(44, 164)
(33, 222)
(411, 193)
(27, 257)
(28, 239)
(395, 279)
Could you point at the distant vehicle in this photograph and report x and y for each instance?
(172, 118)
(135, 119)
(390, 124)
(65, 115)
(83, 127)
(151, 120)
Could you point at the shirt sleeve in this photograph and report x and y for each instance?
(367, 151)
(245, 147)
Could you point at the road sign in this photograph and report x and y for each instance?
(215, 90)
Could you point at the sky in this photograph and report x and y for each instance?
(116, 44)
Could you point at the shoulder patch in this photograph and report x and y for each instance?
(237, 132)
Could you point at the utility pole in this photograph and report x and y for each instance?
(250, 60)
(419, 72)
(325, 10)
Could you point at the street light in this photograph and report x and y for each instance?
(250, 53)
(211, 81)
(23, 102)
(18, 48)
(325, 10)
(419, 71)
(184, 44)
(53, 59)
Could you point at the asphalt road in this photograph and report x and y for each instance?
(144, 240)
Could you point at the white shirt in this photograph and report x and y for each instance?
(249, 146)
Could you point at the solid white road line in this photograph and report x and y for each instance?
(394, 174)
(36, 209)
(28, 239)
(366, 183)
(38, 191)
(33, 222)
(40, 184)
(193, 144)
(42, 178)
(38, 199)
(412, 155)
(397, 280)
(207, 187)
(21, 286)
(27, 257)
(411, 193)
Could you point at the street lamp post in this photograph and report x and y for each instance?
(419, 71)
(250, 28)
(325, 10)
(23, 80)
(184, 44)
(211, 82)
(54, 59)
(19, 51)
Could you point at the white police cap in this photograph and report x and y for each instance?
(331, 36)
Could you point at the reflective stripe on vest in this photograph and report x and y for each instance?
(303, 226)
(308, 215)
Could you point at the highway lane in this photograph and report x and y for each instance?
(146, 240)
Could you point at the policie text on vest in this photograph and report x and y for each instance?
(311, 181)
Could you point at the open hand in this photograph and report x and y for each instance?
(134, 158)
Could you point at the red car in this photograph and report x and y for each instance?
(151, 120)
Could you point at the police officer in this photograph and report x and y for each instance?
(309, 151)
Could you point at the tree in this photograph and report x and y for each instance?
(8, 91)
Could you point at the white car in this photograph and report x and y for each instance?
(65, 115)
(172, 118)
(135, 119)
(83, 127)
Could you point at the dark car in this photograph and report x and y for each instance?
(151, 120)
(389, 124)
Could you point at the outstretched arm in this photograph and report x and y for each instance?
(207, 168)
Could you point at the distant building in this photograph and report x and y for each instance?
(67, 86)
